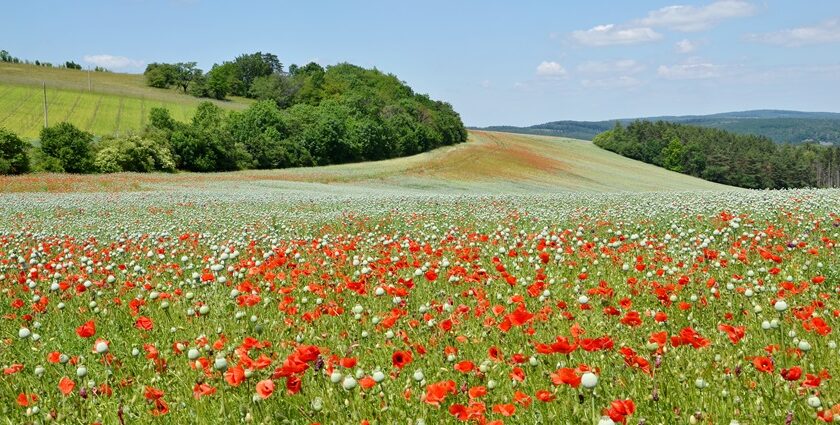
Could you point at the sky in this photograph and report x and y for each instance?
(497, 62)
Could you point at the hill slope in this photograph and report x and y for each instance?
(780, 126)
(488, 162)
(110, 102)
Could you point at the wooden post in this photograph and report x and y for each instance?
(46, 120)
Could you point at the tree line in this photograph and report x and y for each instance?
(6, 57)
(720, 156)
(339, 129)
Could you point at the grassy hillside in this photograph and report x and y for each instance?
(108, 103)
(780, 126)
(488, 162)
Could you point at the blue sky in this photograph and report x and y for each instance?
(519, 63)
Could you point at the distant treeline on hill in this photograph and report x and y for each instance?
(780, 126)
(5, 56)
(720, 156)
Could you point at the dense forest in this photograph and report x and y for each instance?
(780, 126)
(734, 159)
(263, 136)
(309, 115)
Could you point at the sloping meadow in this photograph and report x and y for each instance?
(275, 305)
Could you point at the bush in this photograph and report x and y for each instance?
(13, 153)
(70, 146)
(206, 145)
(133, 154)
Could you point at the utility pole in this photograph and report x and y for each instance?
(46, 121)
(90, 87)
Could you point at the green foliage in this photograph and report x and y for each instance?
(205, 144)
(43, 163)
(165, 75)
(14, 158)
(221, 80)
(249, 128)
(133, 153)
(161, 119)
(161, 75)
(720, 156)
(69, 147)
(72, 65)
(6, 57)
(249, 67)
(273, 87)
(311, 115)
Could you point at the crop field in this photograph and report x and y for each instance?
(262, 300)
(115, 102)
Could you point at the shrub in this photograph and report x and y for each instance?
(134, 154)
(13, 153)
(70, 146)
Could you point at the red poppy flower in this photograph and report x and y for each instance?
(13, 369)
(367, 382)
(619, 410)
(763, 364)
(437, 392)
(792, 374)
(265, 388)
(566, 376)
(144, 323)
(504, 409)
(87, 330)
(465, 366)
(293, 384)
(25, 400)
(544, 396)
(735, 333)
(66, 385)
(235, 375)
(153, 393)
(401, 358)
(521, 398)
(477, 392)
(202, 389)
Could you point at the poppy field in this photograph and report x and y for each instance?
(277, 305)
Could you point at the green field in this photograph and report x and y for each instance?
(108, 103)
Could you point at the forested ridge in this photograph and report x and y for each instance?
(720, 156)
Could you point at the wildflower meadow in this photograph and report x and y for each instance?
(294, 307)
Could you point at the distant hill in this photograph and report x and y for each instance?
(780, 126)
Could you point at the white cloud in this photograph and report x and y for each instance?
(608, 35)
(824, 32)
(677, 18)
(113, 62)
(690, 71)
(686, 46)
(691, 18)
(551, 69)
(623, 81)
(622, 66)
